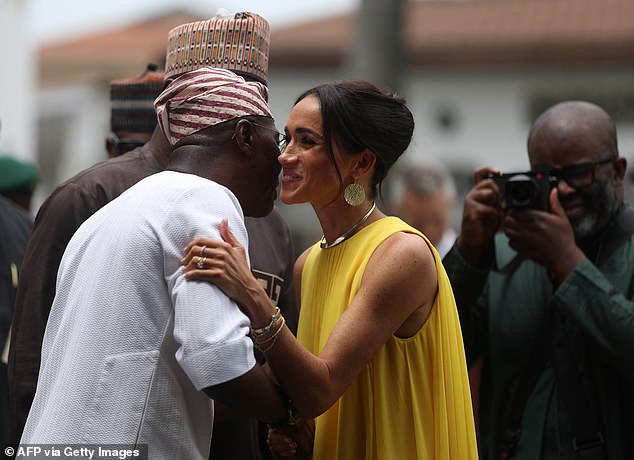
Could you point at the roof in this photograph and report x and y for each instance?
(115, 53)
(437, 34)
(480, 33)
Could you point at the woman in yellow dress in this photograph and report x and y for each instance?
(378, 361)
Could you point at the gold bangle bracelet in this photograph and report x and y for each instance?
(266, 329)
(261, 340)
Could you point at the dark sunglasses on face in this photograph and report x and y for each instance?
(581, 175)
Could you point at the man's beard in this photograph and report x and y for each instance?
(600, 209)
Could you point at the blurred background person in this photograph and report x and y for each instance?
(132, 116)
(15, 227)
(17, 182)
(424, 195)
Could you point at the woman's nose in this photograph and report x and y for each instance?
(286, 156)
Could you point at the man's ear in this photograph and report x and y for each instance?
(243, 134)
(620, 165)
(111, 147)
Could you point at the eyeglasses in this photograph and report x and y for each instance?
(280, 138)
(581, 175)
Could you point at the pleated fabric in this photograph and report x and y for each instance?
(412, 400)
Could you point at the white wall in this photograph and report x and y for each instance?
(493, 111)
(487, 124)
(85, 107)
(73, 121)
(17, 82)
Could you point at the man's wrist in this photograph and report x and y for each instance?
(564, 265)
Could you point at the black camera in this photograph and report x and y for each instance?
(529, 189)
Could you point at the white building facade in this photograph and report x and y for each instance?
(18, 81)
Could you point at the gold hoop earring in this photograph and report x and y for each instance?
(354, 194)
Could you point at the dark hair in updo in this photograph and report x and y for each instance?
(356, 115)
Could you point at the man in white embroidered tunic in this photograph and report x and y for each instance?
(132, 353)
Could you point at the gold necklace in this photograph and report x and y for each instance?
(323, 244)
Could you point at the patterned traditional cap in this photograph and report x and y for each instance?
(206, 97)
(237, 42)
(132, 101)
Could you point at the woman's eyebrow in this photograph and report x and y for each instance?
(305, 131)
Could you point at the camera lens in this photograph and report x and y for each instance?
(520, 191)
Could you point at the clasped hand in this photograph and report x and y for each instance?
(226, 264)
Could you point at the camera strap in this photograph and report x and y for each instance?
(528, 378)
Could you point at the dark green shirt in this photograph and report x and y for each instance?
(503, 316)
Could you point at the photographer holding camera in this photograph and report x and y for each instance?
(547, 302)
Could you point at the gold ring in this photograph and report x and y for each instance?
(201, 262)
(202, 251)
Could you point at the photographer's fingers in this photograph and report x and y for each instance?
(482, 173)
(555, 205)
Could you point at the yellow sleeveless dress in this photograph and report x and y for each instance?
(412, 400)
